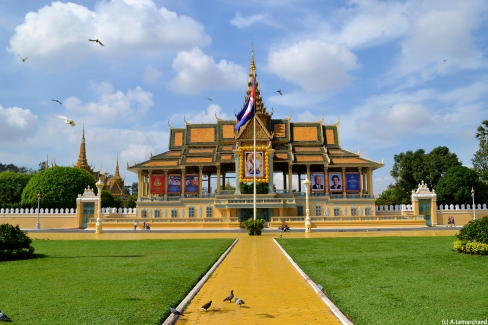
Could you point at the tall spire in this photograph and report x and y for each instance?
(82, 162)
(47, 161)
(259, 106)
(117, 174)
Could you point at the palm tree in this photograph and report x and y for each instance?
(482, 135)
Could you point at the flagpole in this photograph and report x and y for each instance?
(254, 136)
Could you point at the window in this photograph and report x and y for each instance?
(318, 210)
(300, 210)
(143, 214)
(209, 212)
(354, 211)
(367, 211)
(174, 213)
(157, 213)
(337, 212)
(191, 212)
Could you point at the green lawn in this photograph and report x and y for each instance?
(104, 282)
(396, 280)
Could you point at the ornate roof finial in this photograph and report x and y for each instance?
(82, 162)
(216, 117)
(117, 174)
(338, 121)
(184, 119)
(322, 119)
(169, 125)
(47, 161)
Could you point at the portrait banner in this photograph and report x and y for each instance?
(248, 166)
(318, 182)
(157, 184)
(353, 182)
(191, 184)
(174, 184)
(335, 182)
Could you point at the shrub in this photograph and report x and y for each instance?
(14, 243)
(473, 237)
(253, 227)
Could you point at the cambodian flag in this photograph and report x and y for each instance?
(247, 112)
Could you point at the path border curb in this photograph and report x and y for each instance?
(337, 312)
(173, 318)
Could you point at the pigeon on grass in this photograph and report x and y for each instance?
(4, 318)
(176, 312)
(230, 296)
(239, 302)
(206, 306)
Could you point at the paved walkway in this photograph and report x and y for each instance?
(272, 289)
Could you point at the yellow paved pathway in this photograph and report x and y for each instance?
(272, 289)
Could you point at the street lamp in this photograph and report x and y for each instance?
(308, 223)
(474, 210)
(99, 185)
(38, 225)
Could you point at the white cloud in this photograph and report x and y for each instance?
(314, 65)
(209, 115)
(151, 75)
(17, 124)
(58, 34)
(198, 72)
(112, 105)
(243, 22)
(370, 23)
(438, 34)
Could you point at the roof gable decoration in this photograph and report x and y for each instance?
(247, 131)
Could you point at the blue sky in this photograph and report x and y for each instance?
(401, 75)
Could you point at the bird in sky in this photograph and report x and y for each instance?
(55, 100)
(279, 91)
(175, 311)
(230, 296)
(206, 306)
(445, 60)
(239, 302)
(4, 318)
(66, 120)
(96, 41)
(209, 98)
(23, 59)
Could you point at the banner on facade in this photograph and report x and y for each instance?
(353, 183)
(174, 184)
(191, 184)
(157, 184)
(335, 182)
(318, 182)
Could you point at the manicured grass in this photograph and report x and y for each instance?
(396, 280)
(104, 282)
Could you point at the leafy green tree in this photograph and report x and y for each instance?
(455, 187)
(42, 166)
(14, 243)
(11, 186)
(393, 196)
(13, 168)
(134, 188)
(480, 161)
(108, 200)
(129, 201)
(248, 188)
(59, 187)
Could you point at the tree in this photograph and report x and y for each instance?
(480, 162)
(108, 200)
(393, 196)
(59, 187)
(13, 168)
(134, 188)
(248, 188)
(410, 168)
(42, 166)
(129, 202)
(455, 187)
(11, 186)
(482, 135)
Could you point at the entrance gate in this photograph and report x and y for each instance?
(261, 213)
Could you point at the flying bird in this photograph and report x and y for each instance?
(209, 98)
(66, 120)
(96, 41)
(230, 296)
(206, 306)
(279, 91)
(176, 312)
(55, 100)
(23, 59)
(239, 302)
(4, 318)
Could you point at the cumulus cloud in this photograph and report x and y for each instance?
(209, 115)
(17, 124)
(198, 72)
(59, 33)
(151, 75)
(314, 65)
(112, 105)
